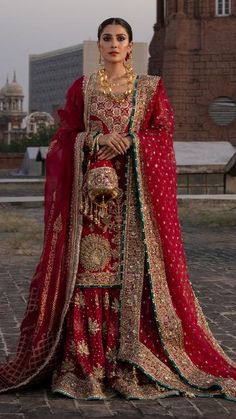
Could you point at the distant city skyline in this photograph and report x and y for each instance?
(31, 28)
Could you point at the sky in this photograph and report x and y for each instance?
(37, 26)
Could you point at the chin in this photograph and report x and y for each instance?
(114, 60)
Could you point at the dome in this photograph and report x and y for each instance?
(13, 88)
(3, 89)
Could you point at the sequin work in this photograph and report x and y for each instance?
(134, 324)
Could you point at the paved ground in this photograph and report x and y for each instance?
(212, 265)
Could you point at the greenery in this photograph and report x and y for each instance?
(42, 138)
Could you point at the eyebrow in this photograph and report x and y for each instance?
(118, 34)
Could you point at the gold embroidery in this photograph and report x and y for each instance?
(146, 89)
(93, 326)
(111, 355)
(57, 227)
(99, 373)
(113, 115)
(82, 388)
(106, 301)
(115, 305)
(82, 348)
(169, 323)
(131, 349)
(79, 300)
(97, 301)
(96, 125)
(67, 366)
(105, 279)
(95, 252)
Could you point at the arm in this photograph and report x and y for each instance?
(156, 139)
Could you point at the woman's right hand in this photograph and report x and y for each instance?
(114, 142)
(112, 145)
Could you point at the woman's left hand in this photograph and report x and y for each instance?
(105, 153)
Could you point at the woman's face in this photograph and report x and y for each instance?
(114, 44)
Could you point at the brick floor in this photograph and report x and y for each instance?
(212, 267)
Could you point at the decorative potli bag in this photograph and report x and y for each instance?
(100, 187)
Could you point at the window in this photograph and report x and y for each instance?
(223, 111)
(223, 7)
(201, 183)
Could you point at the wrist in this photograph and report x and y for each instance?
(96, 143)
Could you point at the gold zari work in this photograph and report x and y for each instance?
(142, 256)
(95, 252)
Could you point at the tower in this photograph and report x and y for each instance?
(11, 111)
(193, 48)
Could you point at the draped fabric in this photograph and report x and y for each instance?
(52, 284)
(123, 317)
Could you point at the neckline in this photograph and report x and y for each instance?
(128, 99)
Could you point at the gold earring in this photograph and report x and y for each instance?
(129, 61)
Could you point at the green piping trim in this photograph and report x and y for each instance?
(134, 364)
(133, 104)
(124, 229)
(65, 393)
(150, 280)
(121, 272)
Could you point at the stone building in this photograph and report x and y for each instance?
(11, 111)
(193, 48)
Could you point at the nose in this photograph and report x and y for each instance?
(114, 43)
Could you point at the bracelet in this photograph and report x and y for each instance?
(96, 137)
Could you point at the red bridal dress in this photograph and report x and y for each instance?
(111, 308)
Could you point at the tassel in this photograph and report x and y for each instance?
(95, 212)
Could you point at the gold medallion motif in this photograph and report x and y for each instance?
(95, 252)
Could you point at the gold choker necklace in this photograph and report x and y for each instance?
(106, 85)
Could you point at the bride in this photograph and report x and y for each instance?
(111, 308)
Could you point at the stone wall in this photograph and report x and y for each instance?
(10, 161)
(198, 66)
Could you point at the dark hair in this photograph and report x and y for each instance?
(116, 21)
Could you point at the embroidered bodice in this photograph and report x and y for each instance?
(107, 114)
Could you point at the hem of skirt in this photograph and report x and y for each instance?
(66, 393)
(97, 286)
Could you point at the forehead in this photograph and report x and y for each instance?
(114, 30)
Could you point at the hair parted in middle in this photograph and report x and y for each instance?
(116, 21)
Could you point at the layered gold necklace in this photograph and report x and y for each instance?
(107, 86)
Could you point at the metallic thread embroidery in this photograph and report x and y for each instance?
(95, 252)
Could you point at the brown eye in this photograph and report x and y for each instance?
(106, 38)
(121, 38)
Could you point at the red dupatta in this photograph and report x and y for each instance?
(194, 361)
(52, 284)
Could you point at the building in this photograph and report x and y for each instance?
(11, 111)
(193, 48)
(51, 73)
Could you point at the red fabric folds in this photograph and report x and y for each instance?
(42, 324)
(160, 176)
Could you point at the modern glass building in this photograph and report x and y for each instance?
(50, 75)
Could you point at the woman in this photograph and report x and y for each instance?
(111, 308)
